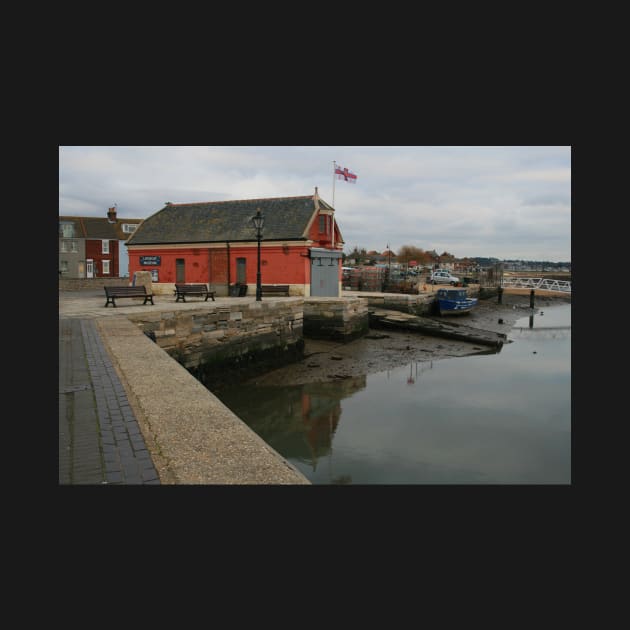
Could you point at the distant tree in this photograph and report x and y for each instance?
(425, 258)
(410, 252)
(358, 254)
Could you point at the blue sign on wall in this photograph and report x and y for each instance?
(150, 260)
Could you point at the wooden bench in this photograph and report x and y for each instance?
(127, 292)
(182, 290)
(275, 289)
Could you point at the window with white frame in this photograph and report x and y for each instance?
(105, 266)
(69, 245)
(66, 229)
(63, 266)
(105, 249)
(128, 228)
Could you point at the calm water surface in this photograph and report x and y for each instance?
(486, 419)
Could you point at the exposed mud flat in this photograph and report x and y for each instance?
(382, 350)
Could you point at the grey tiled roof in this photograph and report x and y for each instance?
(286, 218)
(99, 228)
(123, 236)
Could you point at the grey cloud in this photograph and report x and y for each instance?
(495, 201)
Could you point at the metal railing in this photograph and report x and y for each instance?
(537, 283)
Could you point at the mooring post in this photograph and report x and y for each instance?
(531, 299)
(500, 295)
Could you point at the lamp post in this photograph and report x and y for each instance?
(258, 221)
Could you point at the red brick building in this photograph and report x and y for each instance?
(215, 243)
(93, 247)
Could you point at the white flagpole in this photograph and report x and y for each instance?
(333, 205)
(334, 169)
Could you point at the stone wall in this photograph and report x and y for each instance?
(81, 284)
(339, 319)
(214, 342)
(414, 304)
(422, 304)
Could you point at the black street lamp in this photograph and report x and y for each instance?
(259, 221)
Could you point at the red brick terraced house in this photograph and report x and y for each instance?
(92, 247)
(215, 243)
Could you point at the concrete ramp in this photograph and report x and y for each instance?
(427, 326)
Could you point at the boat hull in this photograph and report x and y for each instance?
(456, 306)
(455, 310)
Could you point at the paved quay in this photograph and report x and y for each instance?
(99, 438)
(130, 414)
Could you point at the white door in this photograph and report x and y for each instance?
(89, 268)
(123, 260)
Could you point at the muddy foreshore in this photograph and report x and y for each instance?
(383, 350)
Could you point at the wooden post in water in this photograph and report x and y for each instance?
(500, 295)
(531, 299)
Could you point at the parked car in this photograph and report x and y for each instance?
(443, 276)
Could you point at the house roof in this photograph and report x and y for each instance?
(286, 219)
(123, 236)
(98, 228)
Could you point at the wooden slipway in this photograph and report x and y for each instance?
(428, 326)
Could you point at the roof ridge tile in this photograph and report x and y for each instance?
(202, 203)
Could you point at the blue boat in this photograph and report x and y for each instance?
(454, 301)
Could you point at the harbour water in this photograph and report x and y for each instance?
(483, 419)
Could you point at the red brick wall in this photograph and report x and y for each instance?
(324, 239)
(278, 264)
(94, 250)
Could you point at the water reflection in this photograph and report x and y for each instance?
(416, 368)
(500, 418)
(546, 328)
(298, 421)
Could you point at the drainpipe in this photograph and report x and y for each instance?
(227, 243)
(209, 268)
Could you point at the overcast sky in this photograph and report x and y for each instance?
(504, 202)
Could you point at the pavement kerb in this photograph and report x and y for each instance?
(193, 438)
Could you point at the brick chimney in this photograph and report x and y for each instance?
(111, 215)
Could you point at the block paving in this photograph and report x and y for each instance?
(100, 442)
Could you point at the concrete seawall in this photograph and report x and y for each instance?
(192, 436)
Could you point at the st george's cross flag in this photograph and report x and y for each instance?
(345, 174)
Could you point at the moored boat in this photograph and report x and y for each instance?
(454, 301)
